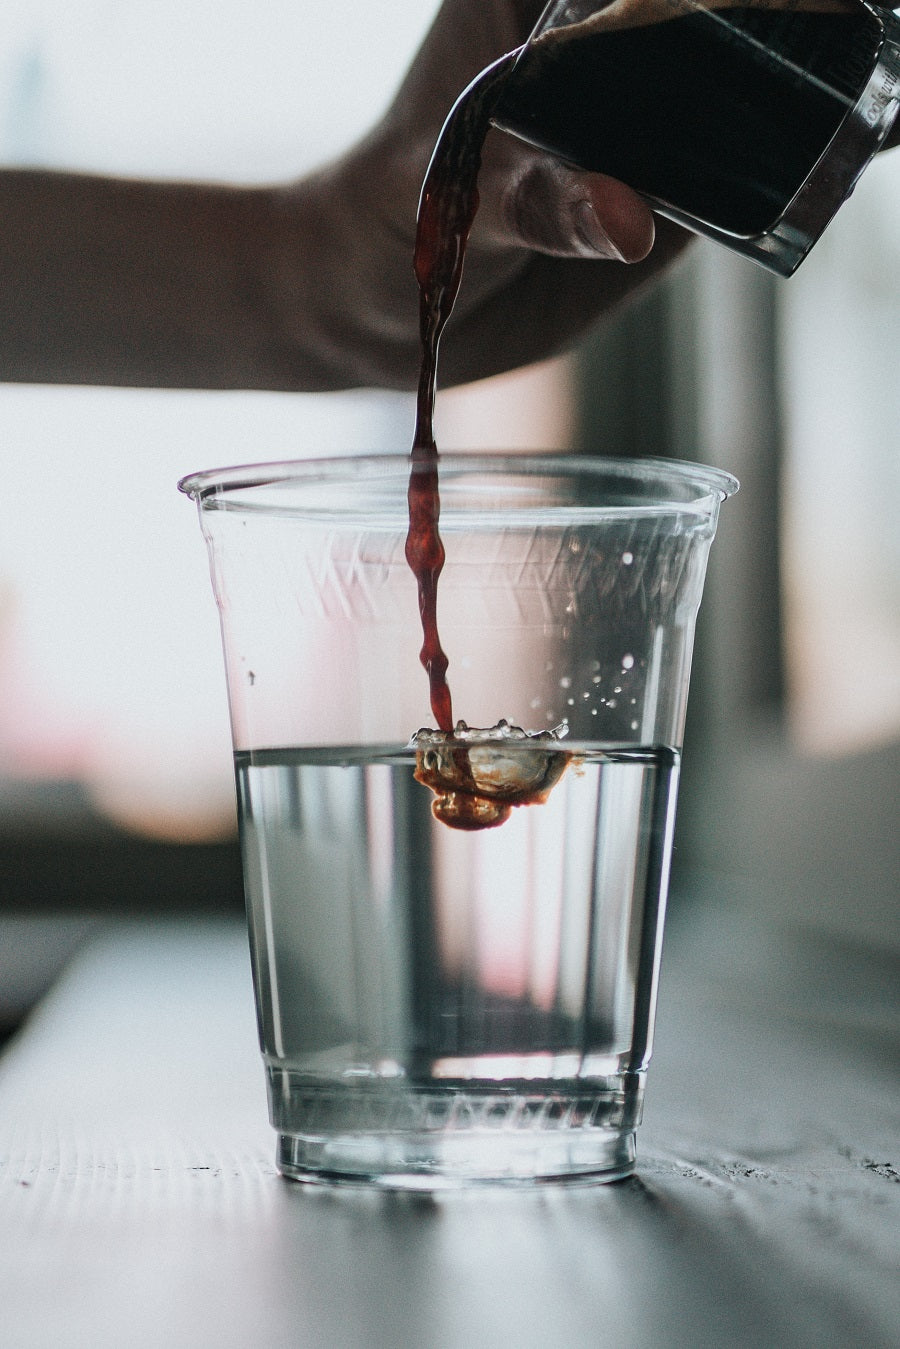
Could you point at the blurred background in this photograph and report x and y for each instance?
(116, 791)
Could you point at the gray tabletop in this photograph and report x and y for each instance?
(139, 1205)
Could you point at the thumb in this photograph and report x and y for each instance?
(538, 202)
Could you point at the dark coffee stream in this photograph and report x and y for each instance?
(466, 797)
(447, 209)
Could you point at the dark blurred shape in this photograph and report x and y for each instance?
(65, 872)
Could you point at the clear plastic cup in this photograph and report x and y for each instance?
(442, 1006)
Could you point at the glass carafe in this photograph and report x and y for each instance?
(746, 122)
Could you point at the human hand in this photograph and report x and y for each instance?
(309, 285)
(546, 253)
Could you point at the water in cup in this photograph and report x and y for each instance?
(496, 979)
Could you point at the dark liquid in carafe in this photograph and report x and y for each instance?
(720, 114)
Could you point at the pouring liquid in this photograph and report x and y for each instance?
(465, 799)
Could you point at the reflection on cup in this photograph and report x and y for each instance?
(443, 1006)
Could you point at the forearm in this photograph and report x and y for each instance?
(302, 287)
(112, 281)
